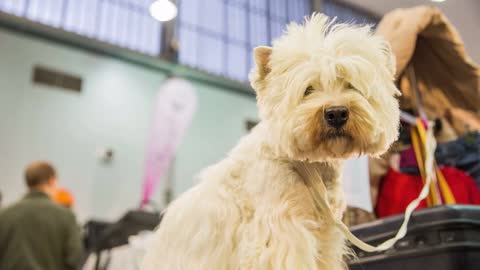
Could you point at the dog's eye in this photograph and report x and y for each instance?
(308, 90)
(351, 87)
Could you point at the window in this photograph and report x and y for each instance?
(219, 37)
(125, 23)
(347, 14)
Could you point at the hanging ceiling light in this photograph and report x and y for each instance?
(438, 1)
(163, 10)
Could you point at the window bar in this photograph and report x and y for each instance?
(226, 41)
(137, 20)
(269, 22)
(25, 8)
(113, 15)
(63, 15)
(316, 5)
(177, 29)
(127, 24)
(167, 34)
(198, 49)
(98, 19)
(248, 43)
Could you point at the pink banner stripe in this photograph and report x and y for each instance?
(174, 108)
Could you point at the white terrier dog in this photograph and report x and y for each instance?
(325, 93)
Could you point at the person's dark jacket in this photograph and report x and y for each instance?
(38, 234)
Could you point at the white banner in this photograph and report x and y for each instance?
(356, 183)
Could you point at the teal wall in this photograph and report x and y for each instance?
(113, 110)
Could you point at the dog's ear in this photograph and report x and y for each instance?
(262, 59)
(261, 56)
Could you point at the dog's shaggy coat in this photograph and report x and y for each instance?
(252, 211)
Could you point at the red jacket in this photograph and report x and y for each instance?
(398, 190)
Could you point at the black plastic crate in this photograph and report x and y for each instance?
(439, 238)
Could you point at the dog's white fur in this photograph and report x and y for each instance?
(252, 209)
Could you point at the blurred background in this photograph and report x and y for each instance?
(80, 83)
(121, 55)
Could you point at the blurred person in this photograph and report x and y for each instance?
(36, 233)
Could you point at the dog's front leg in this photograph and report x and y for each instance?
(287, 235)
(286, 232)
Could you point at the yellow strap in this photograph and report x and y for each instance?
(444, 187)
(419, 150)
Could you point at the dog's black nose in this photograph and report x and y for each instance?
(336, 116)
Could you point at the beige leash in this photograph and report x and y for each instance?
(318, 191)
